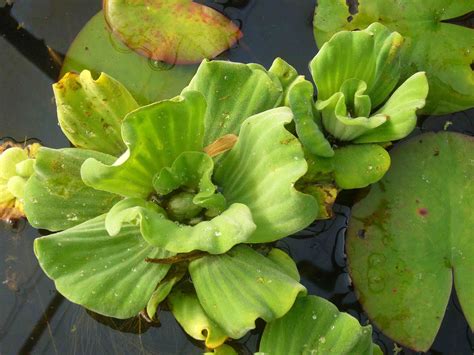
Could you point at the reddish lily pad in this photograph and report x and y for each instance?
(174, 31)
(411, 237)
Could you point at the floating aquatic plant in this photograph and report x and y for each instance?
(355, 73)
(16, 166)
(174, 31)
(410, 239)
(176, 202)
(160, 199)
(445, 51)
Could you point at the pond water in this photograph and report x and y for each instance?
(34, 318)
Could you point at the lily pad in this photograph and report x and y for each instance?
(176, 31)
(411, 237)
(315, 326)
(97, 50)
(444, 50)
(238, 287)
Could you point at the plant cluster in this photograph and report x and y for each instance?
(177, 203)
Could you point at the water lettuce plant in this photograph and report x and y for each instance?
(16, 166)
(444, 50)
(175, 203)
(407, 245)
(356, 74)
(141, 199)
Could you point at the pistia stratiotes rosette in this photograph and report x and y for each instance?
(16, 166)
(356, 73)
(147, 195)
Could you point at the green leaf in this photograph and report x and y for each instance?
(233, 92)
(400, 111)
(411, 236)
(188, 312)
(308, 120)
(107, 275)
(97, 50)
(260, 171)
(371, 55)
(163, 290)
(315, 326)
(55, 196)
(357, 166)
(9, 160)
(287, 75)
(444, 50)
(155, 136)
(285, 262)
(174, 31)
(224, 349)
(236, 288)
(355, 73)
(191, 170)
(91, 111)
(216, 236)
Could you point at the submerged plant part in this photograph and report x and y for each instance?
(445, 51)
(313, 326)
(355, 73)
(411, 238)
(16, 166)
(136, 212)
(176, 31)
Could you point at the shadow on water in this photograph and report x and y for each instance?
(35, 318)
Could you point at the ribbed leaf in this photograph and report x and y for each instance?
(287, 75)
(260, 171)
(155, 136)
(357, 166)
(401, 110)
(188, 312)
(371, 55)
(233, 92)
(56, 198)
(174, 31)
(236, 288)
(191, 170)
(315, 326)
(91, 111)
(444, 50)
(218, 235)
(338, 120)
(308, 119)
(107, 275)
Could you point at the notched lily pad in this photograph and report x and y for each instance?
(411, 237)
(176, 31)
(97, 50)
(444, 50)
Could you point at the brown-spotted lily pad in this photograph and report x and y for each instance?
(174, 31)
(411, 238)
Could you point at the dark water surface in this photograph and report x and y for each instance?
(34, 318)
